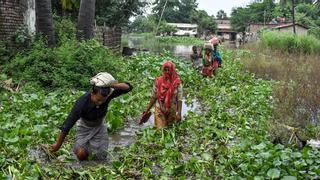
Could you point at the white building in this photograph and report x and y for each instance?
(185, 29)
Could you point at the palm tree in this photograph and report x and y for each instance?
(86, 20)
(44, 22)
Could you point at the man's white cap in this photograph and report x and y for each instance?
(102, 79)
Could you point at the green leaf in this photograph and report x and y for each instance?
(260, 146)
(11, 140)
(289, 178)
(273, 173)
(206, 156)
(258, 178)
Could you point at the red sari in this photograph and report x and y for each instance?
(166, 86)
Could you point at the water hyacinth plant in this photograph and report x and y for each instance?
(228, 139)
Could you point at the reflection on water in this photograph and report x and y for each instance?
(139, 42)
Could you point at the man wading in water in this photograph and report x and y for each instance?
(90, 111)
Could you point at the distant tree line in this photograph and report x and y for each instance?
(175, 11)
(306, 12)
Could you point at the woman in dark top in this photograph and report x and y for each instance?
(89, 111)
(196, 58)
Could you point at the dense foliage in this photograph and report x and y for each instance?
(176, 12)
(111, 13)
(60, 67)
(253, 13)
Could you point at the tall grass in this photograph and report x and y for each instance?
(290, 43)
(296, 87)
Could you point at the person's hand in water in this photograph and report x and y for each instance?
(53, 147)
(56, 146)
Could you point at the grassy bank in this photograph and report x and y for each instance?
(288, 42)
(296, 84)
(229, 139)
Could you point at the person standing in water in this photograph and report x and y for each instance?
(208, 67)
(196, 58)
(89, 112)
(215, 41)
(167, 97)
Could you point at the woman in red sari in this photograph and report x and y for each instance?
(167, 95)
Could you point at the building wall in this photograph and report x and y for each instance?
(11, 17)
(254, 28)
(110, 37)
(21, 13)
(15, 14)
(299, 30)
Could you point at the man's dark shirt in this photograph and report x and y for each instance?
(86, 109)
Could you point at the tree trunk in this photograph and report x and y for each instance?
(86, 20)
(293, 17)
(44, 22)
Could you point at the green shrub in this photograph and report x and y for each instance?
(315, 31)
(65, 29)
(69, 65)
(290, 43)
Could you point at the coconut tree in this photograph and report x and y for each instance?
(86, 20)
(44, 22)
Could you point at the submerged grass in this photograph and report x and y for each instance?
(229, 140)
(296, 88)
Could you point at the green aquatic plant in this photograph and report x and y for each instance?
(227, 140)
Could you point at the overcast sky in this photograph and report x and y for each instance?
(213, 6)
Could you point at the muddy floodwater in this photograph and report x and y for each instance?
(121, 138)
(124, 137)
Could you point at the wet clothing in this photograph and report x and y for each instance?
(216, 55)
(166, 85)
(208, 67)
(197, 60)
(86, 109)
(92, 139)
(167, 90)
(161, 119)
